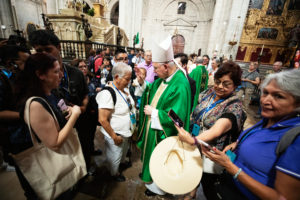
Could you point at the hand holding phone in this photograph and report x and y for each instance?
(205, 144)
(175, 118)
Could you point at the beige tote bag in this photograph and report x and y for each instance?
(51, 173)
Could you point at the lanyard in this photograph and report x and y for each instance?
(7, 73)
(210, 106)
(122, 96)
(65, 84)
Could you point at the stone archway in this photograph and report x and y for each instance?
(114, 15)
(178, 42)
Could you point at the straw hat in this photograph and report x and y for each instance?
(175, 166)
(163, 52)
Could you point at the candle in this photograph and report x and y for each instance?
(262, 49)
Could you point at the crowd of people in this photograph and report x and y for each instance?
(132, 93)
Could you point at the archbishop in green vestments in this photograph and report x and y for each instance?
(174, 94)
(200, 75)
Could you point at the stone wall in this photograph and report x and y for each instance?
(206, 25)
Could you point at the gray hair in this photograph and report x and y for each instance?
(171, 63)
(199, 61)
(120, 69)
(217, 61)
(287, 81)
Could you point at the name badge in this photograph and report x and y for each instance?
(231, 155)
(132, 118)
(196, 130)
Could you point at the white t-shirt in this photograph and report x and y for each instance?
(120, 119)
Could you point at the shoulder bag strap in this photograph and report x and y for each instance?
(112, 92)
(249, 74)
(287, 139)
(27, 117)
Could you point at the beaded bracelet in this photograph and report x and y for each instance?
(195, 141)
(238, 173)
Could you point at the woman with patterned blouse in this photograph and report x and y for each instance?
(217, 120)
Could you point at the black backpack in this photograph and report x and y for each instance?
(93, 106)
(287, 139)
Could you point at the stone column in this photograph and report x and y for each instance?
(6, 19)
(235, 26)
(97, 8)
(229, 17)
(52, 7)
(219, 26)
(130, 18)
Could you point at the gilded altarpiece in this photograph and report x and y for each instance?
(267, 31)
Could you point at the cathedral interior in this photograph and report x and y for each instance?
(244, 31)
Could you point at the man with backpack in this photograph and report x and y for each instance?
(117, 117)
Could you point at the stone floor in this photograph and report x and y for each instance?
(101, 187)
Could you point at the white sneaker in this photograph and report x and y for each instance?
(8, 167)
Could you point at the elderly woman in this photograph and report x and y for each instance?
(41, 75)
(117, 117)
(218, 118)
(258, 173)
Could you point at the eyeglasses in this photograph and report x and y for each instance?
(225, 84)
(121, 58)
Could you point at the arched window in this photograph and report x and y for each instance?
(181, 8)
(114, 17)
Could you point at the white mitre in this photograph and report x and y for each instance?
(163, 52)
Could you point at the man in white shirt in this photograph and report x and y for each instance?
(117, 119)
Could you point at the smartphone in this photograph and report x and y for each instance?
(205, 144)
(174, 117)
(63, 107)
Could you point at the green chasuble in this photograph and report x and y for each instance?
(200, 75)
(176, 95)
